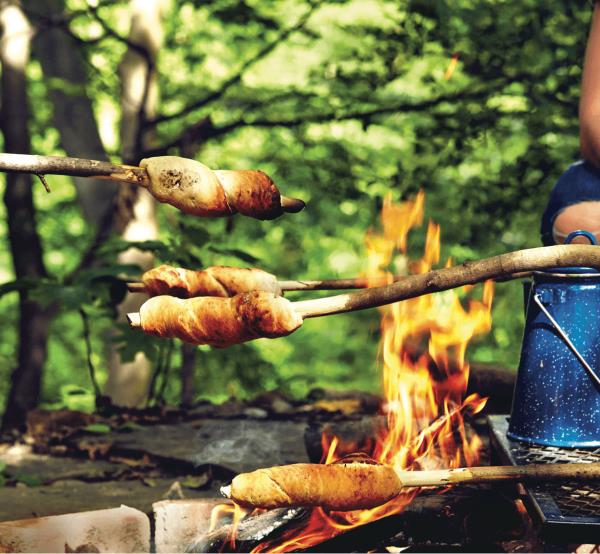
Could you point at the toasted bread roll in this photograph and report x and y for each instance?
(196, 189)
(220, 321)
(213, 281)
(340, 486)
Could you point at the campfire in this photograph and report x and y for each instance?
(425, 374)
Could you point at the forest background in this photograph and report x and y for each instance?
(341, 102)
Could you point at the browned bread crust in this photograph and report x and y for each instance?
(220, 321)
(196, 189)
(213, 281)
(340, 486)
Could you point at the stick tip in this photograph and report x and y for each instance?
(136, 287)
(226, 491)
(292, 205)
(134, 319)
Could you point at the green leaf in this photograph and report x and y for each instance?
(29, 480)
(97, 428)
(2, 466)
(195, 481)
(199, 236)
(128, 427)
(236, 253)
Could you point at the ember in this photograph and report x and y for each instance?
(425, 375)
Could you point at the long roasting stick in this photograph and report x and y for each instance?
(334, 284)
(467, 273)
(79, 167)
(492, 474)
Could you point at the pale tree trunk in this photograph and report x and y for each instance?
(24, 240)
(128, 382)
(64, 72)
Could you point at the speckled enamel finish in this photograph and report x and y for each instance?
(556, 402)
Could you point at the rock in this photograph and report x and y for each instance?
(275, 402)
(235, 445)
(162, 442)
(243, 446)
(255, 413)
(121, 529)
(23, 464)
(179, 522)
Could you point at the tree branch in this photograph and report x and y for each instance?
(237, 77)
(205, 129)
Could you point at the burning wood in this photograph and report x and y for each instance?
(186, 184)
(244, 535)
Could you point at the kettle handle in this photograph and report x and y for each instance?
(581, 233)
(564, 336)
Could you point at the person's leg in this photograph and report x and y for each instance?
(582, 216)
(573, 204)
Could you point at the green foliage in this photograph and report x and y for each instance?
(341, 102)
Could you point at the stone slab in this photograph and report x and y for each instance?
(121, 529)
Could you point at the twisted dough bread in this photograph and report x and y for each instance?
(213, 281)
(196, 189)
(220, 321)
(339, 486)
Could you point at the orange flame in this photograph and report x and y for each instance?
(451, 67)
(425, 375)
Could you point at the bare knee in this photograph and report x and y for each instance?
(582, 216)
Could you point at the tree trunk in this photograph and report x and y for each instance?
(188, 364)
(25, 243)
(64, 72)
(128, 382)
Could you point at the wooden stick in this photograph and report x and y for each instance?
(79, 167)
(467, 273)
(438, 280)
(491, 474)
(335, 284)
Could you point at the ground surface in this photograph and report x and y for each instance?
(71, 462)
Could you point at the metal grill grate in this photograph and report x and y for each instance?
(565, 509)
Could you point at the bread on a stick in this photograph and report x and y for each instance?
(341, 486)
(212, 281)
(198, 190)
(219, 321)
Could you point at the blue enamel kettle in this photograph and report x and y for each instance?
(557, 392)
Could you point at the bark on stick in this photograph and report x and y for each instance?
(467, 273)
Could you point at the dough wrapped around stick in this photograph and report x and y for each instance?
(353, 485)
(219, 321)
(213, 281)
(196, 189)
